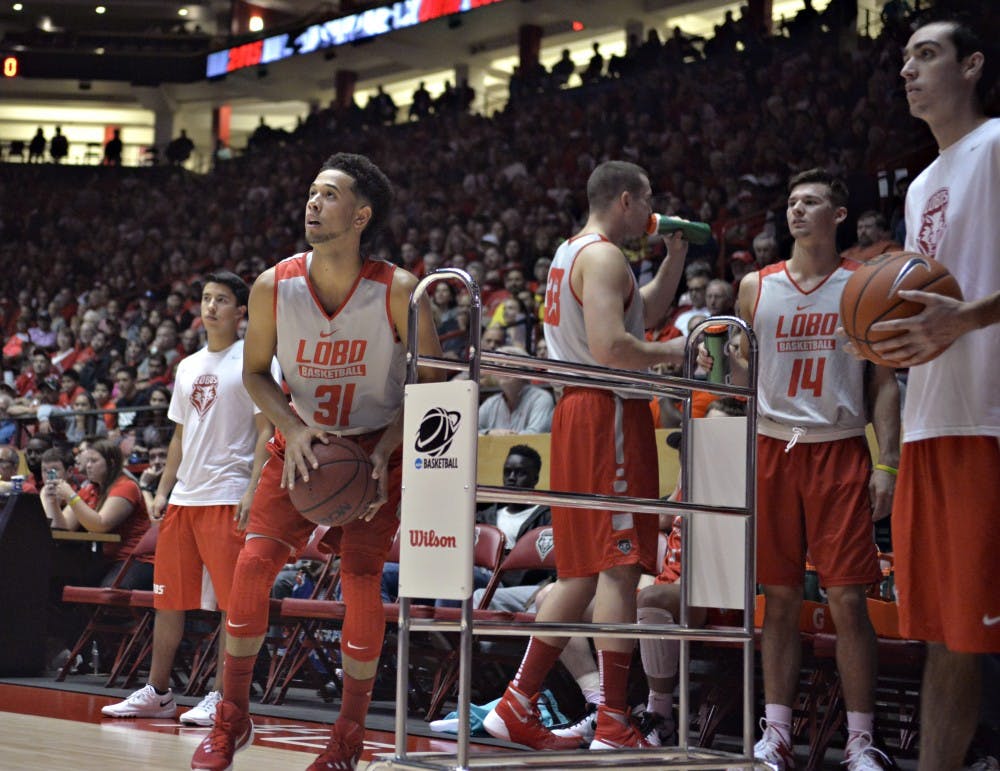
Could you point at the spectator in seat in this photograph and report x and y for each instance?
(128, 395)
(10, 460)
(874, 238)
(59, 146)
(42, 334)
(80, 424)
(519, 408)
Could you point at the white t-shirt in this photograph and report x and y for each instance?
(510, 522)
(217, 414)
(951, 215)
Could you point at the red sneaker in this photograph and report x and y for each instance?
(231, 732)
(344, 748)
(617, 731)
(514, 722)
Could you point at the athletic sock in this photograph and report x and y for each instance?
(779, 717)
(859, 723)
(662, 704)
(590, 686)
(538, 659)
(236, 678)
(357, 698)
(614, 668)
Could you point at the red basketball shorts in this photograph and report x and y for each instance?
(272, 513)
(193, 540)
(946, 541)
(814, 499)
(606, 445)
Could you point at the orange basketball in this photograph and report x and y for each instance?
(341, 489)
(871, 296)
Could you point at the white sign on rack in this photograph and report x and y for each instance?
(437, 527)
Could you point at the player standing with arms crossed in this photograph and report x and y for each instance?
(817, 491)
(338, 324)
(946, 530)
(213, 462)
(601, 443)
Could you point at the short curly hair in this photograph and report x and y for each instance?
(370, 183)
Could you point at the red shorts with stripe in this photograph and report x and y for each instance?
(814, 500)
(606, 445)
(946, 538)
(193, 540)
(272, 513)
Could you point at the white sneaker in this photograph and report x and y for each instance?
(989, 763)
(773, 750)
(583, 729)
(861, 755)
(145, 702)
(204, 712)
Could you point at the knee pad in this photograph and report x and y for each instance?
(258, 565)
(364, 621)
(659, 656)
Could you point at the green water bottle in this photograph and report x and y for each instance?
(695, 232)
(715, 343)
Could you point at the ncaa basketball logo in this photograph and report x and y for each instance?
(437, 431)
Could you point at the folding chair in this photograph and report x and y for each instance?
(113, 614)
(533, 551)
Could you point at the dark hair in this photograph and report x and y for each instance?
(71, 373)
(610, 179)
(234, 283)
(730, 405)
(54, 455)
(115, 462)
(836, 186)
(370, 183)
(130, 369)
(526, 451)
(967, 40)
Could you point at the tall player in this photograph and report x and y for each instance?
(601, 443)
(327, 314)
(817, 490)
(213, 463)
(945, 516)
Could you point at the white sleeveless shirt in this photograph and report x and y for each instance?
(807, 385)
(346, 370)
(565, 331)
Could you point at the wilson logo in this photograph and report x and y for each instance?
(428, 539)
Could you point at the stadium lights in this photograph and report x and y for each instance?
(100, 9)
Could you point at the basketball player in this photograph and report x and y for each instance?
(601, 443)
(817, 490)
(213, 463)
(338, 324)
(945, 515)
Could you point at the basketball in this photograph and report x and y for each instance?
(341, 489)
(870, 296)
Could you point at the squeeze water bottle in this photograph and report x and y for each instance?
(695, 232)
(715, 342)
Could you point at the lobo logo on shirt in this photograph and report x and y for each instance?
(206, 389)
(933, 223)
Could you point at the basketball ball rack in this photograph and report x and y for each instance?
(636, 384)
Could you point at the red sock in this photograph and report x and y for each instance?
(538, 660)
(357, 697)
(614, 668)
(236, 678)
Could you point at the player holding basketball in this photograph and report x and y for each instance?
(213, 463)
(601, 443)
(817, 490)
(945, 518)
(338, 324)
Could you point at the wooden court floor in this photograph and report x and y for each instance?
(59, 730)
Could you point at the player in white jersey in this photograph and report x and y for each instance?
(946, 532)
(338, 323)
(213, 463)
(816, 488)
(595, 313)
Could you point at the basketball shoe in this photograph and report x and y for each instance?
(515, 718)
(145, 702)
(862, 755)
(617, 731)
(204, 712)
(773, 750)
(657, 730)
(231, 732)
(343, 750)
(582, 729)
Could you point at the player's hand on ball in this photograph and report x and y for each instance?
(299, 457)
(928, 333)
